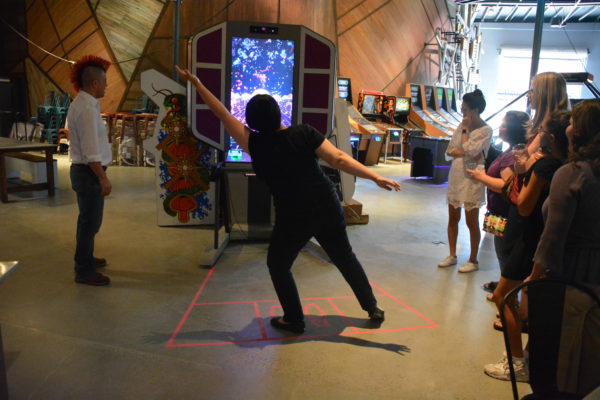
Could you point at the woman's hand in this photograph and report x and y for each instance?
(478, 173)
(386, 183)
(185, 74)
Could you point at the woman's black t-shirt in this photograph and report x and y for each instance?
(287, 162)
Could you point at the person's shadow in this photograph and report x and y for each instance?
(259, 334)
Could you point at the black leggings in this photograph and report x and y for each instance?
(290, 235)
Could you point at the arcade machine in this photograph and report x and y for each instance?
(419, 117)
(435, 102)
(427, 152)
(431, 109)
(451, 104)
(237, 60)
(394, 121)
(443, 103)
(370, 137)
(401, 119)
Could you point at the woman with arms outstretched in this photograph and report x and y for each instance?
(306, 203)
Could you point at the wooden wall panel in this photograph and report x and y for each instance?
(75, 37)
(380, 42)
(127, 26)
(38, 86)
(67, 15)
(40, 30)
(345, 6)
(48, 61)
(92, 45)
(318, 15)
(255, 11)
(382, 48)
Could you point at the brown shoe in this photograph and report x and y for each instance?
(100, 262)
(95, 280)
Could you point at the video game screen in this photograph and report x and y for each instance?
(369, 105)
(440, 96)
(261, 66)
(403, 105)
(343, 87)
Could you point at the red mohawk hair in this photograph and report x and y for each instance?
(80, 65)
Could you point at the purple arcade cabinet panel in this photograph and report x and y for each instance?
(207, 60)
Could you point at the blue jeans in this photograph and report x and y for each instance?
(91, 206)
(290, 235)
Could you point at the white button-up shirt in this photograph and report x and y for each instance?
(88, 141)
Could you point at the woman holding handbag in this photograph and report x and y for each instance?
(526, 217)
(512, 131)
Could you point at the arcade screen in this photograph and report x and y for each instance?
(369, 105)
(403, 105)
(344, 91)
(260, 66)
(440, 96)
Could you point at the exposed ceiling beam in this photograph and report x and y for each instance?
(591, 10)
(512, 13)
(564, 21)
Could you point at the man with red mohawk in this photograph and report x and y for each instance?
(90, 154)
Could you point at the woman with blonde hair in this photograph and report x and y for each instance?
(547, 95)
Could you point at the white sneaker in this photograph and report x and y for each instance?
(501, 371)
(469, 267)
(447, 262)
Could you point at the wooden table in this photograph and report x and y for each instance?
(6, 267)
(15, 146)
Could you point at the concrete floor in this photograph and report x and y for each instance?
(140, 338)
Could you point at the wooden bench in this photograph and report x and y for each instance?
(11, 146)
(28, 167)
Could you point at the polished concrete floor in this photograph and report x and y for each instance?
(167, 328)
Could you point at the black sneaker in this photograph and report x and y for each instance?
(94, 280)
(377, 314)
(295, 327)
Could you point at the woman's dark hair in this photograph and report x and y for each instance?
(517, 124)
(475, 100)
(556, 124)
(263, 113)
(586, 134)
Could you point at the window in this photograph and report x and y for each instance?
(513, 74)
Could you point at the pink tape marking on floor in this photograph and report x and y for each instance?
(317, 321)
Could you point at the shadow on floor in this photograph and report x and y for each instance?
(330, 328)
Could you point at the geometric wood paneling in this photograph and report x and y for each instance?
(40, 30)
(380, 43)
(67, 16)
(38, 85)
(317, 15)
(127, 26)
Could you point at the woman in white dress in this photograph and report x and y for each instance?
(468, 148)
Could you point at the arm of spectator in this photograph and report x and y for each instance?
(478, 143)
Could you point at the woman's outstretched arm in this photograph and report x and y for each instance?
(233, 126)
(340, 160)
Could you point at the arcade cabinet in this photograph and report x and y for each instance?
(431, 109)
(435, 98)
(370, 138)
(451, 104)
(443, 107)
(237, 60)
(420, 116)
(427, 152)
